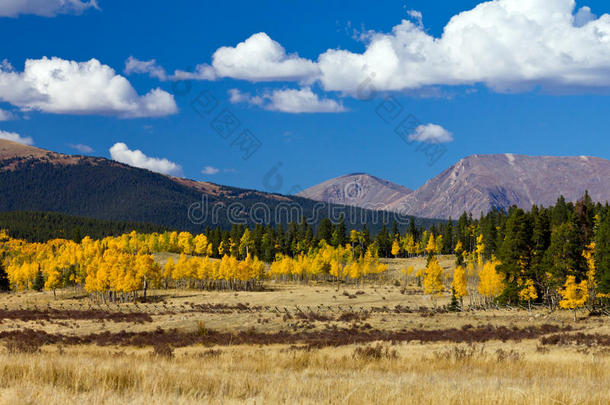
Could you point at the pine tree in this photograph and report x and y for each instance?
(339, 237)
(602, 253)
(5, 285)
(38, 284)
(564, 255)
(515, 252)
(325, 231)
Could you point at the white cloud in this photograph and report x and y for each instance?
(66, 87)
(150, 67)
(202, 72)
(302, 101)
(508, 45)
(294, 101)
(6, 115)
(44, 8)
(236, 96)
(12, 136)
(257, 59)
(121, 153)
(210, 170)
(81, 148)
(153, 69)
(417, 16)
(431, 133)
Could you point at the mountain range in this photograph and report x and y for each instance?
(478, 183)
(34, 179)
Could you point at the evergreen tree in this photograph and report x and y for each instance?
(602, 253)
(515, 252)
(490, 237)
(384, 242)
(413, 230)
(395, 232)
(339, 236)
(325, 230)
(38, 284)
(564, 257)
(448, 245)
(4, 282)
(366, 237)
(541, 239)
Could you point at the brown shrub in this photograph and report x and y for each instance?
(163, 350)
(376, 352)
(22, 346)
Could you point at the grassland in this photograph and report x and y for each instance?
(297, 343)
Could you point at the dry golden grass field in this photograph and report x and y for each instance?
(297, 343)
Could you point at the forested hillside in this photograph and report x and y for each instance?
(44, 226)
(106, 190)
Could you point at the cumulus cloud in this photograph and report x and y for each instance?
(431, 133)
(81, 148)
(44, 8)
(508, 45)
(6, 115)
(293, 101)
(149, 67)
(210, 170)
(121, 153)
(12, 136)
(257, 59)
(67, 87)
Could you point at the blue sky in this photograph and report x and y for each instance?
(541, 94)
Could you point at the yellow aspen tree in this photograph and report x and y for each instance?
(574, 295)
(438, 245)
(200, 243)
(396, 248)
(431, 246)
(246, 243)
(185, 243)
(433, 278)
(480, 248)
(491, 283)
(173, 242)
(54, 279)
(233, 248)
(528, 293)
(409, 245)
(459, 248)
(460, 284)
(168, 270)
(355, 270)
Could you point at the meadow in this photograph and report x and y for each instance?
(310, 342)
